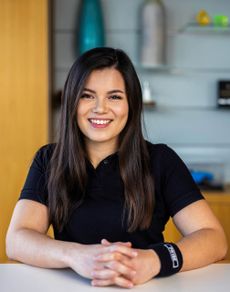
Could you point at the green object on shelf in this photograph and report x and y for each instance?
(91, 26)
(220, 20)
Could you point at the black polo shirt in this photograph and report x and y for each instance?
(100, 215)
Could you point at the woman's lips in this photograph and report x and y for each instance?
(100, 123)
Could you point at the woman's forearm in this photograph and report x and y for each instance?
(31, 247)
(202, 247)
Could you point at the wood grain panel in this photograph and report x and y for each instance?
(220, 205)
(23, 97)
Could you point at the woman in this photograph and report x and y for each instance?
(107, 192)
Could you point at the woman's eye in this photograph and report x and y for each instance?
(85, 95)
(115, 97)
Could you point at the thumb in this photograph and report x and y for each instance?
(107, 243)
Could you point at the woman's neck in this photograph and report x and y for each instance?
(99, 151)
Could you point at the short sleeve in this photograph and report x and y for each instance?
(179, 188)
(35, 187)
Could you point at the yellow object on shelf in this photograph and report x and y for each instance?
(203, 18)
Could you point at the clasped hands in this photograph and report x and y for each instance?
(116, 264)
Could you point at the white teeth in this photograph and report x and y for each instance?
(100, 122)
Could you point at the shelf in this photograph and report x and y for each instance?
(180, 70)
(193, 27)
(165, 108)
(171, 69)
(149, 105)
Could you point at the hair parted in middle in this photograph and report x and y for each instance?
(68, 163)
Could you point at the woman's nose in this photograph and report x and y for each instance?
(100, 106)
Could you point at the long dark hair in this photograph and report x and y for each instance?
(68, 164)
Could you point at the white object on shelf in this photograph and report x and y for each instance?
(152, 34)
(146, 92)
(147, 95)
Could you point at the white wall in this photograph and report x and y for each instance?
(186, 117)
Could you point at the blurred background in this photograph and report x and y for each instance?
(39, 43)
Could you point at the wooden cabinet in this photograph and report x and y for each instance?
(24, 97)
(220, 204)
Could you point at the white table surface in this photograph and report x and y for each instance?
(19, 277)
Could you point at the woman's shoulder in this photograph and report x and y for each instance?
(47, 149)
(44, 154)
(162, 153)
(157, 148)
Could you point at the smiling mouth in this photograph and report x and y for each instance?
(99, 121)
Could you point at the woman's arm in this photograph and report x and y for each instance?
(27, 242)
(203, 243)
(26, 239)
(203, 240)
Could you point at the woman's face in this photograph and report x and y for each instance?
(102, 110)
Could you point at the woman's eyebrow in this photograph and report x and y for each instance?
(90, 90)
(110, 91)
(115, 90)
